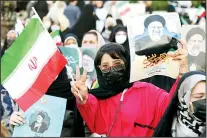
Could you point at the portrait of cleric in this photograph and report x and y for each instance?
(39, 122)
(195, 38)
(156, 37)
(88, 62)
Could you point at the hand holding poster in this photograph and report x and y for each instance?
(41, 120)
(194, 37)
(151, 37)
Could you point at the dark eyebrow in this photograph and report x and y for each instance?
(198, 94)
(117, 60)
(105, 63)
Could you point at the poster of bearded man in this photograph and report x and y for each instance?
(151, 37)
(194, 37)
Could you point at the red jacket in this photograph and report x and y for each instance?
(141, 110)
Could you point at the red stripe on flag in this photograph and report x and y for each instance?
(46, 77)
(203, 14)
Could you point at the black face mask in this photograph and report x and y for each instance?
(200, 109)
(113, 77)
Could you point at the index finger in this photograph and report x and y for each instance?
(84, 76)
(77, 73)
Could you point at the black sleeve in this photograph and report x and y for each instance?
(61, 88)
(163, 82)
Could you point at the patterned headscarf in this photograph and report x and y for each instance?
(185, 124)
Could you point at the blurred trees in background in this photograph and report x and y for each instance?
(8, 17)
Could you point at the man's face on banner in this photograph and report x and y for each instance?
(155, 30)
(194, 44)
(88, 63)
(39, 119)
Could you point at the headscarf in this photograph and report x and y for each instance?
(178, 108)
(101, 41)
(70, 35)
(182, 127)
(109, 24)
(42, 8)
(85, 23)
(116, 29)
(7, 43)
(119, 22)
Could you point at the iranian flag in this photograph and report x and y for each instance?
(201, 12)
(56, 37)
(31, 65)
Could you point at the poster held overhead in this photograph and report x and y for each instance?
(151, 37)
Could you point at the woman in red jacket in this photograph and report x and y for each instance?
(117, 107)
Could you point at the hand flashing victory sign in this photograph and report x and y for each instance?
(79, 86)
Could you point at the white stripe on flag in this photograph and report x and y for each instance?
(24, 77)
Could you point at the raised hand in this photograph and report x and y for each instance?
(79, 86)
(180, 55)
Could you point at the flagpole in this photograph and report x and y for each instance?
(39, 18)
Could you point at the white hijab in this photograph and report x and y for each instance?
(101, 40)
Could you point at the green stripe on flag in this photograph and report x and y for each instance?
(20, 48)
(55, 33)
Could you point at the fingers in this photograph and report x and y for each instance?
(179, 54)
(77, 73)
(13, 123)
(181, 57)
(17, 119)
(20, 114)
(81, 87)
(73, 86)
(182, 44)
(84, 76)
(74, 89)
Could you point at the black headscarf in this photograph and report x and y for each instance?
(104, 91)
(163, 129)
(117, 28)
(85, 23)
(73, 35)
(119, 21)
(42, 8)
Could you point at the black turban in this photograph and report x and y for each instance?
(194, 31)
(153, 18)
(41, 114)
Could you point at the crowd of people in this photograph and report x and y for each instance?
(156, 106)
